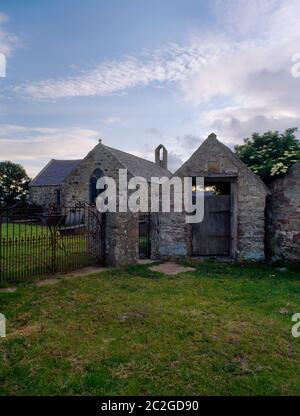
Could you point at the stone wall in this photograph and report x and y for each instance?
(173, 235)
(251, 203)
(283, 216)
(121, 238)
(43, 195)
(121, 229)
(76, 185)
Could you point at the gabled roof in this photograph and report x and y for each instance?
(138, 166)
(54, 172)
(235, 160)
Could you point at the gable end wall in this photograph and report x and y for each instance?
(121, 230)
(175, 234)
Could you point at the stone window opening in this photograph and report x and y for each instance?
(94, 192)
(161, 154)
(58, 197)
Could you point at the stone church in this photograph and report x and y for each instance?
(235, 201)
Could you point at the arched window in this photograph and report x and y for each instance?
(94, 192)
(161, 154)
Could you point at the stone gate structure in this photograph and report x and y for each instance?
(225, 175)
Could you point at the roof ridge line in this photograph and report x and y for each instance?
(67, 160)
(137, 157)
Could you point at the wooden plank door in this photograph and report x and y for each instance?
(212, 236)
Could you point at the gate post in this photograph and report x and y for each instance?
(96, 234)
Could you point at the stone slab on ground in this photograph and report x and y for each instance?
(171, 268)
(85, 272)
(54, 280)
(47, 282)
(219, 259)
(146, 261)
(8, 290)
(77, 273)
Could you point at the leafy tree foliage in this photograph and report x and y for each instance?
(271, 154)
(13, 183)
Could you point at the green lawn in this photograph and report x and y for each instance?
(15, 230)
(222, 330)
(27, 251)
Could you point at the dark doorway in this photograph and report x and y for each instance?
(212, 237)
(144, 236)
(94, 192)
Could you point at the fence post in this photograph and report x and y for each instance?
(53, 250)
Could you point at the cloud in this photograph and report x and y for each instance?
(174, 161)
(240, 15)
(170, 64)
(8, 41)
(238, 74)
(256, 35)
(244, 63)
(34, 147)
(189, 141)
(111, 120)
(233, 124)
(251, 72)
(153, 131)
(179, 148)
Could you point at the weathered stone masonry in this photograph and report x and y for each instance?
(283, 216)
(45, 195)
(170, 234)
(214, 160)
(72, 179)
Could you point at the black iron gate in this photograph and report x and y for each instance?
(56, 240)
(144, 236)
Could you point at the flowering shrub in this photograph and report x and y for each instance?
(270, 154)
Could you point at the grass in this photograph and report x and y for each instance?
(221, 330)
(15, 230)
(26, 251)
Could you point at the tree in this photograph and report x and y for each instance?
(271, 154)
(13, 183)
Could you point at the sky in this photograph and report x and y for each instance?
(138, 73)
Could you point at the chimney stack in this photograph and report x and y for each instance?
(161, 156)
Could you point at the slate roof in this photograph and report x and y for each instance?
(54, 172)
(138, 166)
